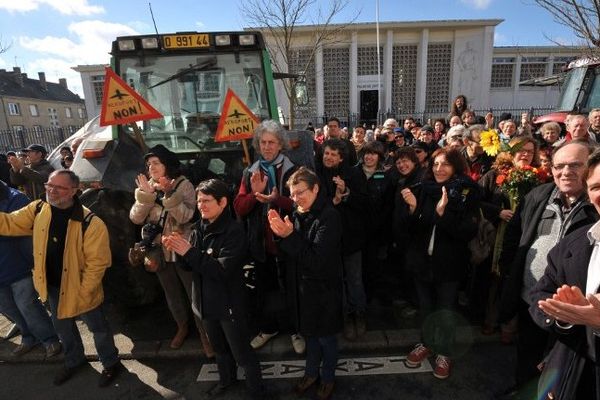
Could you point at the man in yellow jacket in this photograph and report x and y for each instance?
(71, 252)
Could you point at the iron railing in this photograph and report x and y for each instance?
(48, 137)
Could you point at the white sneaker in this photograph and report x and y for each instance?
(298, 343)
(261, 339)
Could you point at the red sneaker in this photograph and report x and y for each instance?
(416, 357)
(442, 367)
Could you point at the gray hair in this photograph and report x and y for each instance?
(73, 178)
(468, 134)
(272, 127)
(457, 130)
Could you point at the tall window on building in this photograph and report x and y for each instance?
(68, 112)
(404, 78)
(336, 81)
(80, 113)
(302, 62)
(532, 67)
(367, 60)
(53, 116)
(502, 72)
(14, 109)
(438, 76)
(559, 63)
(18, 128)
(33, 110)
(98, 87)
(37, 128)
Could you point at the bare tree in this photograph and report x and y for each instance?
(279, 19)
(581, 16)
(3, 46)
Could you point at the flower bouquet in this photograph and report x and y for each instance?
(516, 182)
(491, 143)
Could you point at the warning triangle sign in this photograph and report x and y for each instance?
(121, 104)
(237, 121)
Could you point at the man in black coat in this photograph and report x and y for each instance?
(559, 304)
(346, 188)
(546, 215)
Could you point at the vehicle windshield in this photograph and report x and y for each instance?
(570, 90)
(189, 90)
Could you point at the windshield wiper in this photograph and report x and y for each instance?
(211, 62)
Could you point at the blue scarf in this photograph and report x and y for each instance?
(268, 167)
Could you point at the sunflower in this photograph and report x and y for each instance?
(490, 142)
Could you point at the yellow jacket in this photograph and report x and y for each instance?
(84, 261)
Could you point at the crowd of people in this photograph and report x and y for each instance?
(461, 211)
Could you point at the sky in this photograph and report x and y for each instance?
(54, 35)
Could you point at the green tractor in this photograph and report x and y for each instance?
(185, 76)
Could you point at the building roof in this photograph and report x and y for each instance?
(454, 23)
(16, 84)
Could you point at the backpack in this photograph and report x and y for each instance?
(84, 224)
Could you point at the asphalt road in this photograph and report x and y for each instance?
(481, 373)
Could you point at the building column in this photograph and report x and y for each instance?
(421, 81)
(516, 79)
(354, 73)
(387, 72)
(486, 68)
(549, 69)
(319, 82)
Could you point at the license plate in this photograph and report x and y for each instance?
(190, 41)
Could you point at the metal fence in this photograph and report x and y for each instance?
(47, 137)
(353, 119)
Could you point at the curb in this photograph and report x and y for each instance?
(279, 347)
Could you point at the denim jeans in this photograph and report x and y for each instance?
(324, 347)
(356, 299)
(71, 338)
(19, 302)
(436, 304)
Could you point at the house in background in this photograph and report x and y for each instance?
(36, 104)
(92, 81)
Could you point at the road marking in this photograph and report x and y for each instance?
(345, 367)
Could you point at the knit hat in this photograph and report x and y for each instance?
(505, 116)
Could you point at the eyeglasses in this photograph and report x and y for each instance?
(297, 194)
(525, 151)
(50, 186)
(572, 166)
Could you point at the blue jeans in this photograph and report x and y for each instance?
(324, 347)
(19, 302)
(71, 339)
(356, 299)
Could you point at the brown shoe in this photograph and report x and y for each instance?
(304, 384)
(325, 391)
(179, 338)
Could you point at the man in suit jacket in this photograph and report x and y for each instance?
(572, 370)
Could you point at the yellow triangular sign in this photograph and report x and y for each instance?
(237, 121)
(121, 104)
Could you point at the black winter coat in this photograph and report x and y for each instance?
(380, 204)
(217, 258)
(314, 270)
(413, 181)
(567, 265)
(454, 229)
(520, 235)
(353, 208)
(493, 199)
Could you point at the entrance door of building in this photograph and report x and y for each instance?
(369, 106)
